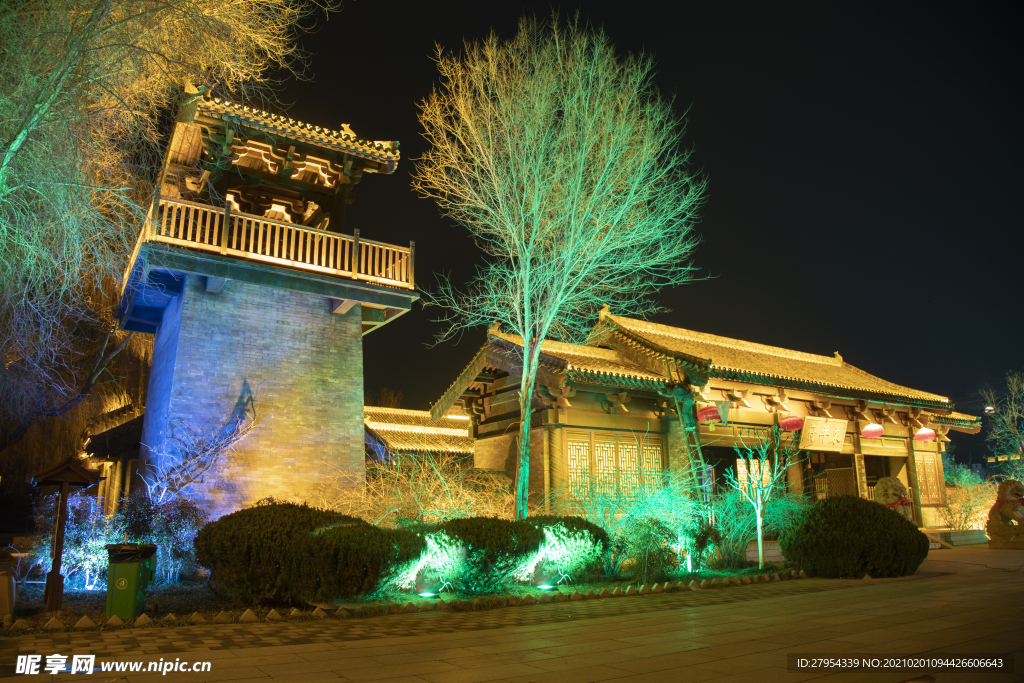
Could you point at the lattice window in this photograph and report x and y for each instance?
(604, 467)
(652, 464)
(579, 466)
(629, 472)
(841, 482)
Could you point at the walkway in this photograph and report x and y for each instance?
(965, 600)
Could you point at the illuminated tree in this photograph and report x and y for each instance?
(760, 474)
(1006, 424)
(566, 165)
(85, 83)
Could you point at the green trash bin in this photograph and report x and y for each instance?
(132, 569)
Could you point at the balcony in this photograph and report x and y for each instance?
(220, 244)
(230, 233)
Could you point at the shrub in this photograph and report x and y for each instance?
(254, 553)
(650, 550)
(344, 561)
(574, 525)
(171, 525)
(571, 544)
(968, 498)
(407, 490)
(84, 560)
(735, 525)
(850, 536)
(495, 549)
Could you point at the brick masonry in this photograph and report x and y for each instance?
(301, 364)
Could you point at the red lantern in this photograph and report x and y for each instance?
(924, 434)
(791, 423)
(872, 431)
(709, 414)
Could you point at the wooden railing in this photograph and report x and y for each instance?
(256, 238)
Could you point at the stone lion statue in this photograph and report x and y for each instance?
(890, 492)
(1006, 518)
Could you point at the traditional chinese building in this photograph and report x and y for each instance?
(393, 431)
(643, 396)
(258, 295)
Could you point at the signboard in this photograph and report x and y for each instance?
(823, 434)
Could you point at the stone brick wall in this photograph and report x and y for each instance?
(302, 366)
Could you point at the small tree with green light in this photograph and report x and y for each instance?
(1006, 425)
(760, 473)
(566, 165)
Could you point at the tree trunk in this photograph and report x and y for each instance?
(760, 532)
(522, 483)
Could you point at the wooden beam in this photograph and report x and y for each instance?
(342, 306)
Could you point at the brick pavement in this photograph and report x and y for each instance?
(963, 600)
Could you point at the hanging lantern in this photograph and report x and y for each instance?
(924, 434)
(872, 431)
(708, 414)
(791, 423)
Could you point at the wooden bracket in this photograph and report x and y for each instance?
(821, 408)
(560, 396)
(776, 403)
(886, 413)
(737, 396)
(619, 400)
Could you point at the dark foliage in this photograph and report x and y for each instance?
(493, 549)
(345, 561)
(574, 524)
(252, 553)
(850, 537)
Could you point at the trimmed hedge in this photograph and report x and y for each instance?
(849, 536)
(494, 548)
(344, 561)
(254, 553)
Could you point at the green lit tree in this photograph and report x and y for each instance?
(760, 474)
(85, 84)
(1006, 424)
(566, 165)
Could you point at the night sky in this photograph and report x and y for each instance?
(864, 168)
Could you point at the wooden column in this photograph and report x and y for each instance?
(915, 485)
(53, 595)
(66, 476)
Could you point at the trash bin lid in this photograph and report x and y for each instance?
(130, 552)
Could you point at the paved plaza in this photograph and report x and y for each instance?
(964, 600)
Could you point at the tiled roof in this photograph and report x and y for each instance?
(385, 152)
(577, 363)
(960, 421)
(414, 430)
(742, 360)
(590, 362)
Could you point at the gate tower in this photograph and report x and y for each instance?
(258, 300)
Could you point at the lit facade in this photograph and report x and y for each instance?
(643, 396)
(258, 300)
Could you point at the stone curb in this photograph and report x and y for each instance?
(342, 612)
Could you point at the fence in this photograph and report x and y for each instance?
(256, 238)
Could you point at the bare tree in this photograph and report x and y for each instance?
(1006, 424)
(566, 165)
(85, 83)
(761, 474)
